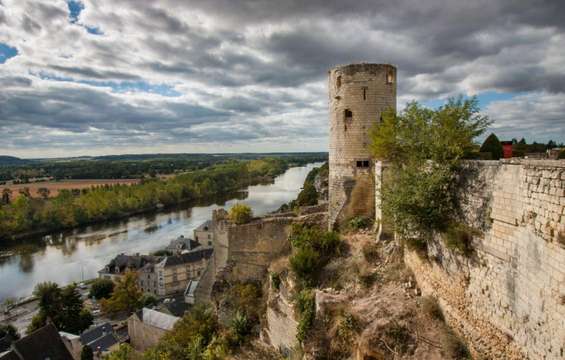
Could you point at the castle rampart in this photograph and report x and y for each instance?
(509, 297)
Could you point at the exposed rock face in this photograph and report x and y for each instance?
(281, 324)
(508, 299)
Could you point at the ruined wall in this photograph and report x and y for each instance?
(509, 297)
(143, 336)
(358, 94)
(244, 252)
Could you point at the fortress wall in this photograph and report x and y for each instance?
(509, 297)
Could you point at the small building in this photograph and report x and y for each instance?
(204, 234)
(147, 326)
(181, 244)
(174, 272)
(101, 339)
(123, 263)
(506, 149)
(44, 343)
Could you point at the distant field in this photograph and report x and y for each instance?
(55, 186)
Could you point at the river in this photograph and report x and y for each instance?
(66, 257)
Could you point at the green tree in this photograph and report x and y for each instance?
(240, 213)
(86, 353)
(126, 296)
(308, 196)
(101, 289)
(124, 352)
(425, 148)
(493, 146)
(9, 329)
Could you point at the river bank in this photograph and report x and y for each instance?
(73, 256)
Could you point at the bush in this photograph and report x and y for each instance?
(561, 155)
(240, 214)
(492, 145)
(360, 222)
(398, 337)
(305, 306)
(305, 263)
(86, 353)
(240, 327)
(371, 252)
(368, 279)
(276, 280)
(149, 301)
(308, 196)
(101, 289)
(459, 237)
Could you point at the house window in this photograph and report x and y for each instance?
(362, 163)
(389, 77)
(347, 115)
(338, 82)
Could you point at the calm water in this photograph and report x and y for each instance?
(78, 255)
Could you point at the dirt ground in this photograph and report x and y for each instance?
(55, 186)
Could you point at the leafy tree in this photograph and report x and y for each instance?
(124, 352)
(308, 196)
(240, 213)
(43, 192)
(492, 145)
(86, 353)
(522, 141)
(101, 289)
(425, 148)
(9, 329)
(149, 300)
(551, 144)
(63, 306)
(126, 296)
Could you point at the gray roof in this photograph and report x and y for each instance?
(99, 338)
(189, 257)
(134, 262)
(158, 319)
(44, 343)
(205, 226)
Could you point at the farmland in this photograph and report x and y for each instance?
(55, 187)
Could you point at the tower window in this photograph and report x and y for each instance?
(389, 77)
(362, 163)
(338, 82)
(347, 114)
(364, 93)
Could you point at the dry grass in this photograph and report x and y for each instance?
(55, 186)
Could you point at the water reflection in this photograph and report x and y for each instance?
(78, 254)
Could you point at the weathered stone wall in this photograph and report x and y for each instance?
(143, 336)
(363, 91)
(244, 252)
(509, 297)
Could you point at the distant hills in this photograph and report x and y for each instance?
(12, 160)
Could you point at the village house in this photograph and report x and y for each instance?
(204, 234)
(181, 244)
(147, 326)
(123, 263)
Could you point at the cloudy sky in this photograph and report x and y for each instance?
(132, 76)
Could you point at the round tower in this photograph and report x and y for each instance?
(359, 94)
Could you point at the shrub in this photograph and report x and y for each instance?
(86, 353)
(101, 289)
(305, 262)
(149, 300)
(398, 337)
(371, 252)
(561, 155)
(276, 280)
(492, 145)
(308, 196)
(305, 306)
(360, 222)
(240, 213)
(246, 299)
(431, 307)
(240, 327)
(458, 237)
(368, 279)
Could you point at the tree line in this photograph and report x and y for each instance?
(69, 209)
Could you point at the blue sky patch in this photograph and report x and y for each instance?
(119, 86)
(485, 98)
(75, 7)
(6, 52)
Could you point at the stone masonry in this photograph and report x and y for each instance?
(358, 95)
(508, 299)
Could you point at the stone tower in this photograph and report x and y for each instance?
(359, 94)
